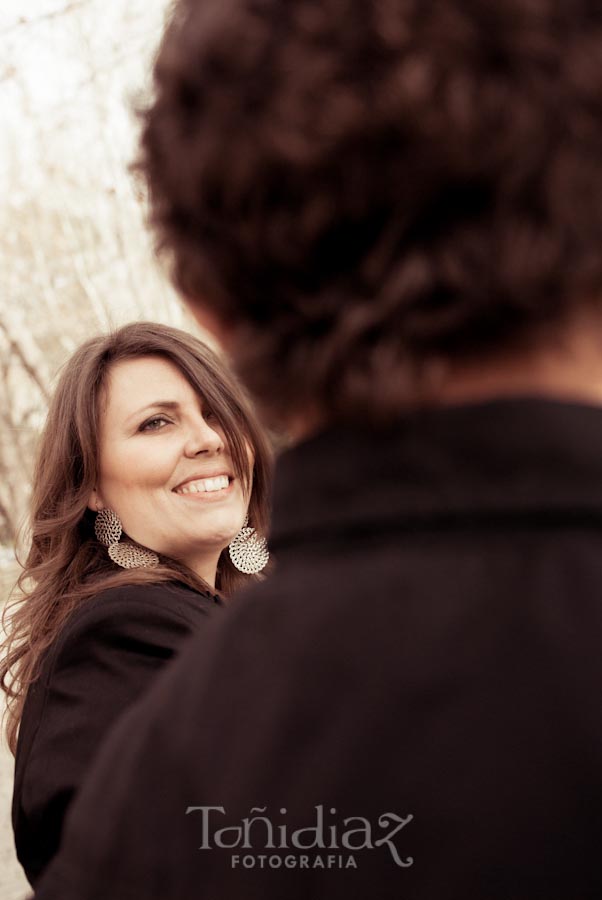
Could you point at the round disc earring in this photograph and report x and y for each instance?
(248, 550)
(126, 554)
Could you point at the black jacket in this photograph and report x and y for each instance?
(430, 646)
(107, 655)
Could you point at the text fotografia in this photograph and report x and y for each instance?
(259, 833)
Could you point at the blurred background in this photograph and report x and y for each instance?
(75, 257)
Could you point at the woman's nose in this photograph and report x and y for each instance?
(203, 438)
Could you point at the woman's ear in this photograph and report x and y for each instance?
(94, 502)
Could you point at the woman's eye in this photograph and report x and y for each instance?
(154, 424)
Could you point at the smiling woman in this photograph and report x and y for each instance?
(150, 469)
(165, 466)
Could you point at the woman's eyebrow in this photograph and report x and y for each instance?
(156, 404)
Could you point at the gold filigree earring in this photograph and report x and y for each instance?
(108, 529)
(248, 550)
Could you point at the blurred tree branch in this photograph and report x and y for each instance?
(74, 253)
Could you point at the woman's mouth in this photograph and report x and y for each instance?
(213, 485)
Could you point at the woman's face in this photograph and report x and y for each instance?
(165, 467)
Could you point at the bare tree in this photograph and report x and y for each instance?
(75, 256)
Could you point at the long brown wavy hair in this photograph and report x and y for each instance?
(65, 563)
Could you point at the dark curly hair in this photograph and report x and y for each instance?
(364, 186)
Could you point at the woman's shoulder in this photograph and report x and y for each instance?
(153, 592)
(142, 618)
(147, 605)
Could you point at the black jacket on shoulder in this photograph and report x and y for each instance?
(407, 709)
(108, 653)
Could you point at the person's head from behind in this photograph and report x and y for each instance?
(149, 424)
(357, 192)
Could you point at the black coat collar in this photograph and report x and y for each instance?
(520, 457)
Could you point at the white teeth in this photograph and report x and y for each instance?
(219, 483)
